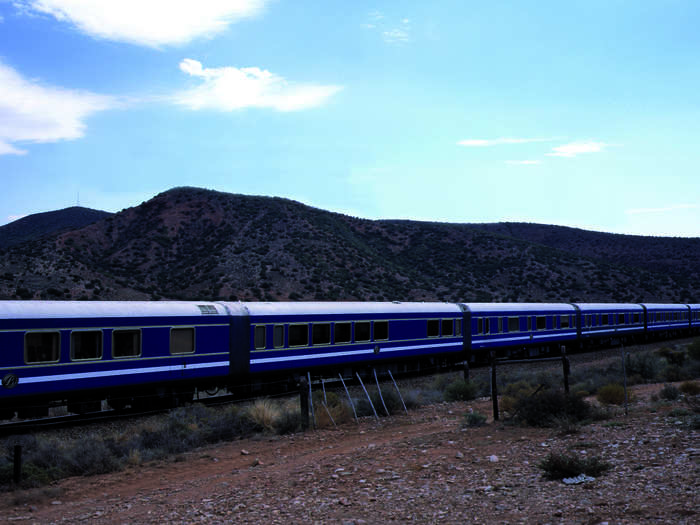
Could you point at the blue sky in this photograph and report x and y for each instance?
(581, 114)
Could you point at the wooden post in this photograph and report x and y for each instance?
(567, 368)
(624, 376)
(494, 387)
(304, 403)
(17, 477)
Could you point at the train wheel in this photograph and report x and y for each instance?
(118, 403)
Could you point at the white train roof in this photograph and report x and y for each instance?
(665, 306)
(91, 309)
(356, 308)
(616, 307)
(519, 307)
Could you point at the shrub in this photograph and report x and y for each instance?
(669, 393)
(644, 364)
(558, 465)
(265, 413)
(673, 357)
(544, 408)
(694, 350)
(674, 372)
(391, 400)
(474, 419)
(461, 391)
(691, 388)
(331, 410)
(611, 394)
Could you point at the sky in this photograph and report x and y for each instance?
(578, 113)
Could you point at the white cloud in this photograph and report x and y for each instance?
(30, 112)
(392, 32)
(230, 88)
(524, 162)
(146, 22)
(576, 148)
(480, 143)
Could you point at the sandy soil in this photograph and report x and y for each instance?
(424, 467)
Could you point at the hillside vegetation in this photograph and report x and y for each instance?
(190, 243)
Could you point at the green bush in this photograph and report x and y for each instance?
(558, 465)
(644, 364)
(545, 408)
(669, 393)
(694, 350)
(474, 419)
(611, 394)
(461, 391)
(691, 388)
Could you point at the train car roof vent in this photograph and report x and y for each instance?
(207, 309)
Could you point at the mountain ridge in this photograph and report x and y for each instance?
(193, 243)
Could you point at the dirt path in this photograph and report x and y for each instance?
(422, 468)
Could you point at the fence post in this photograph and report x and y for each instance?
(567, 368)
(494, 387)
(304, 403)
(624, 375)
(17, 477)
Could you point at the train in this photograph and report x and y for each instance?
(82, 354)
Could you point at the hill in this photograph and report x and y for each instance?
(39, 225)
(190, 243)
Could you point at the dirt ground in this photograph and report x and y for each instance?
(423, 467)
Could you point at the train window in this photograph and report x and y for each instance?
(479, 326)
(381, 330)
(564, 321)
(495, 325)
(278, 336)
(343, 332)
(362, 331)
(41, 347)
(513, 324)
(636, 318)
(541, 322)
(529, 324)
(321, 333)
(298, 335)
(486, 325)
(260, 342)
(126, 343)
(621, 319)
(447, 327)
(182, 340)
(86, 345)
(458, 327)
(433, 328)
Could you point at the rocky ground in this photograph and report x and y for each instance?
(424, 467)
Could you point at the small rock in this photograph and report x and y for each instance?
(493, 459)
(244, 452)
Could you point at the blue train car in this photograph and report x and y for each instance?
(92, 350)
(511, 325)
(304, 336)
(665, 318)
(694, 316)
(609, 320)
